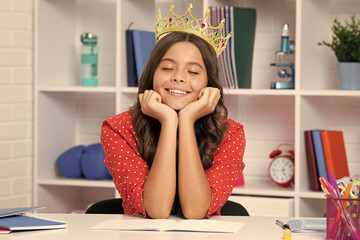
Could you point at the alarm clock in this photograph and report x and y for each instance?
(282, 167)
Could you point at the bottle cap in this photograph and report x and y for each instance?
(88, 37)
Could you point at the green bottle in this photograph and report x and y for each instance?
(89, 59)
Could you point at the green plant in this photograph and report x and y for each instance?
(345, 40)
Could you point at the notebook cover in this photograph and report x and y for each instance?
(311, 160)
(335, 153)
(244, 36)
(319, 153)
(130, 60)
(22, 222)
(144, 42)
(5, 212)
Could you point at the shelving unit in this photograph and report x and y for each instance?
(67, 114)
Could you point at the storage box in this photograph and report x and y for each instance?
(342, 215)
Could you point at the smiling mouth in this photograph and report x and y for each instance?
(177, 91)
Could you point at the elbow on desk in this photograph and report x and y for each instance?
(193, 215)
(158, 214)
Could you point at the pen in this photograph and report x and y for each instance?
(282, 225)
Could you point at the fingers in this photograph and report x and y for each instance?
(210, 96)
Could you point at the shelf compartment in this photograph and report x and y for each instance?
(59, 26)
(65, 120)
(311, 207)
(331, 113)
(67, 199)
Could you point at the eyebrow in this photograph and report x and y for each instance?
(173, 61)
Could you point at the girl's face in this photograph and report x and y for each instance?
(180, 75)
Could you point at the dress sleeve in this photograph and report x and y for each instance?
(227, 167)
(129, 171)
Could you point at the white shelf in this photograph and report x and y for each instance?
(264, 188)
(66, 114)
(62, 181)
(78, 89)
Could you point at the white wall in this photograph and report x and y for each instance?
(16, 102)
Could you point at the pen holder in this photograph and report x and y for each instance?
(342, 218)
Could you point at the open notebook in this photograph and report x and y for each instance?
(204, 225)
(14, 219)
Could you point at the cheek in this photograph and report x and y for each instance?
(156, 81)
(199, 84)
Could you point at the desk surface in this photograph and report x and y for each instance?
(79, 228)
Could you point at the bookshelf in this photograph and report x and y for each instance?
(66, 114)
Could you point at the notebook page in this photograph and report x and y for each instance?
(133, 225)
(205, 225)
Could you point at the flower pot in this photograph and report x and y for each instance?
(349, 75)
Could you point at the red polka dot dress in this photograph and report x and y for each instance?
(129, 170)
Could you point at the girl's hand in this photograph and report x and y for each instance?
(152, 106)
(206, 104)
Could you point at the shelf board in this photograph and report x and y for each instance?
(76, 89)
(129, 89)
(313, 195)
(331, 93)
(270, 92)
(76, 182)
(261, 188)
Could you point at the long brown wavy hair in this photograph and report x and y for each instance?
(209, 130)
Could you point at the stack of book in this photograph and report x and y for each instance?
(325, 152)
(15, 219)
(235, 62)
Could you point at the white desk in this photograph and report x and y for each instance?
(79, 228)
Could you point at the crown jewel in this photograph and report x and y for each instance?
(187, 23)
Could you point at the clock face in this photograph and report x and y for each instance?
(281, 170)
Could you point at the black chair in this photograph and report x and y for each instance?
(114, 206)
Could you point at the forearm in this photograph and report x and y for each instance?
(160, 185)
(194, 188)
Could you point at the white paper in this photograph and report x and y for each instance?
(204, 225)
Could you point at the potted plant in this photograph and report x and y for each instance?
(346, 45)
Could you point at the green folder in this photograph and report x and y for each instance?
(244, 36)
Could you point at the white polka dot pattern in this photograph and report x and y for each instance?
(129, 170)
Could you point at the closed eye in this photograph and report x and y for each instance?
(167, 69)
(192, 72)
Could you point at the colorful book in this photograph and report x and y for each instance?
(319, 153)
(311, 160)
(24, 222)
(144, 42)
(139, 44)
(130, 60)
(5, 212)
(335, 153)
(244, 36)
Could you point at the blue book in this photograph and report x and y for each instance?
(130, 58)
(5, 212)
(24, 222)
(319, 153)
(144, 42)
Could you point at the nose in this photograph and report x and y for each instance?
(178, 77)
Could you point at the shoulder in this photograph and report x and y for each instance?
(233, 127)
(120, 120)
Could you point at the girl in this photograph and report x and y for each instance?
(175, 151)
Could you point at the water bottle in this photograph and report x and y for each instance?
(89, 59)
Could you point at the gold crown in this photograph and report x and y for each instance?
(187, 23)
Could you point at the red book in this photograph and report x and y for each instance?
(311, 160)
(335, 154)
